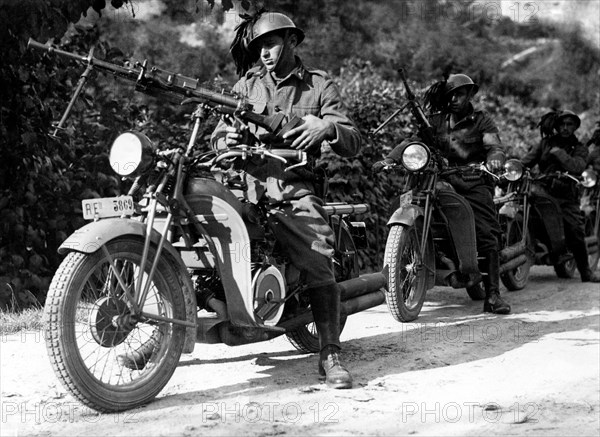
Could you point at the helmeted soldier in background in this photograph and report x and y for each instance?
(282, 83)
(466, 135)
(593, 146)
(560, 150)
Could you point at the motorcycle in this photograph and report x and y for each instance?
(431, 239)
(547, 228)
(530, 214)
(590, 205)
(182, 259)
(513, 208)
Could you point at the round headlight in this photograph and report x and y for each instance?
(513, 170)
(415, 156)
(589, 178)
(131, 154)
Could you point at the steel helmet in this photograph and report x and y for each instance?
(456, 81)
(564, 114)
(271, 22)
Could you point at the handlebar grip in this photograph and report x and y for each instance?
(288, 153)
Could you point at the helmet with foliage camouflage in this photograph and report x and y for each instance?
(456, 81)
(564, 114)
(270, 22)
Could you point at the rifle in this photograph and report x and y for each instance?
(175, 87)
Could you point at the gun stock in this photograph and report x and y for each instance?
(176, 87)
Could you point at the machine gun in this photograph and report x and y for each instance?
(176, 88)
(425, 130)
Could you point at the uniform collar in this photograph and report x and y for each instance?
(470, 117)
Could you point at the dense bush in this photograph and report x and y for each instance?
(43, 179)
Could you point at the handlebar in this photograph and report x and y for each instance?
(469, 167)
(282, 155)
(557, 174)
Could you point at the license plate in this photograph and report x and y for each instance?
(107, 207)
(406, 198)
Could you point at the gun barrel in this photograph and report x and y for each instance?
(50, 49)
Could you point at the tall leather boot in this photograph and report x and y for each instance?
(325, 304)
(493, 302)
(138, 358)
(580, 255)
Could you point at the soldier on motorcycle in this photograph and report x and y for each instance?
(593, 146)
(561, 151)
(283, 83)
(465, 136)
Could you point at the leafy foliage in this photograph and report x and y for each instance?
(43, 179)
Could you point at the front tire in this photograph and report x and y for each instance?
(85, 340)
(516, 279)
(594, 253)
(406, 273)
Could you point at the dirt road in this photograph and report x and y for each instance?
(455, 372)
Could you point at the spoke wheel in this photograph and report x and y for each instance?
(516, 279)
(91, 329)
(407, 276)
(594, 252)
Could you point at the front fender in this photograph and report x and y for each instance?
(405, 215)
(91, 237)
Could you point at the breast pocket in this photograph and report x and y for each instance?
(302, 110)
(472, 140)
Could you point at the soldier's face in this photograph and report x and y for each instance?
(567, 127)
(459, 99)
(272, 47)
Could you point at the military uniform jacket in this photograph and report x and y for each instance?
(304, 91)
(571, 155)
(463, 143)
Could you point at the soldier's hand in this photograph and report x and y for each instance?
(236, 135)
(310, 134)
(381, 164)
(557, 152)
(494, 165)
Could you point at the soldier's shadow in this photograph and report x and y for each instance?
(449, 317)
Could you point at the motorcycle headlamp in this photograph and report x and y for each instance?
(131, 154)
(589, 178)
(513, 170)
(415, 156)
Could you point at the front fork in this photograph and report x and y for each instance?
(177, 171)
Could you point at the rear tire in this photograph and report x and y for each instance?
(406, 273)
(84, 340)
(566, 270)
(345, 265)
(476, 292)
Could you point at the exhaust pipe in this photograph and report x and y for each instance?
(362, 285)
(363, 302)
(358, 294)
(592, 244)
(510, 252)
(513, 263)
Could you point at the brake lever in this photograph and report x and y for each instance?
(482, 167)
(267, 153)
(300, 164)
